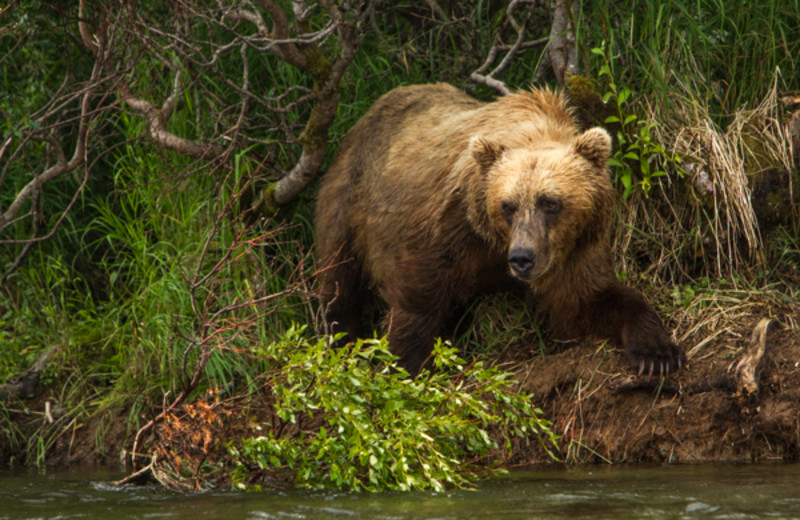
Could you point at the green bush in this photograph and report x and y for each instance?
(379, 429)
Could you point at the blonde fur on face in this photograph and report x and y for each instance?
(550, 170)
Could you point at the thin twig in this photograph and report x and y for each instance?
(489, 79)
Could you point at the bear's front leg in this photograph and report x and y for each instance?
(622, 314)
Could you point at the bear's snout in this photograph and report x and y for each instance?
(521, 261)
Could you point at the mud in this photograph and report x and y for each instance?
(701, 414)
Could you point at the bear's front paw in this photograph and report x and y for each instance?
(654, 355)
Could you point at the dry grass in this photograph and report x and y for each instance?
(701, 220)
(605, 414)
(724, 317)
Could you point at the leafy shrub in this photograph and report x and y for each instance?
(639, 160)
(376, 428)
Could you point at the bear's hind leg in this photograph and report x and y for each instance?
(342, 295)
(411, 336)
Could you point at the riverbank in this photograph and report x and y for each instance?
(736, 400)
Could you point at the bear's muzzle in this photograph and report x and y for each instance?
(521, 261)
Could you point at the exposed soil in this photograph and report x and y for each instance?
(704, 413)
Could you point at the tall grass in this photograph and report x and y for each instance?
(177, 275)
(727, 50)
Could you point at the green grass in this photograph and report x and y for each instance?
(727, 50)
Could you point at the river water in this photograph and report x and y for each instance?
(597, 492)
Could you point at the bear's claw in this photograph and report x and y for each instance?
(659, 360)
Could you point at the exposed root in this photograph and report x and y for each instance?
(741, 377)
(746, 371)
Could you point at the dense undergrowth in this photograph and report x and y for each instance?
(167, 280)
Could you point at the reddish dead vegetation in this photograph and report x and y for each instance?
(188, 449)
(195, 437)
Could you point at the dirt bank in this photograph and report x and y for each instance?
(705, 413)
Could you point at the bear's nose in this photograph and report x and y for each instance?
(521, 261)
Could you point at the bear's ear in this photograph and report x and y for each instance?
(485, 152)
(595, 146)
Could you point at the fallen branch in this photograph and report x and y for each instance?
(139, 477)
(155, 472)
(25, 384)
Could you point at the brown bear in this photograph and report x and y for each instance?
(435, 197)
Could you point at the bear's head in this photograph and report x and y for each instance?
(546, 200)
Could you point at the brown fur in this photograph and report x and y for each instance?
(433, 195)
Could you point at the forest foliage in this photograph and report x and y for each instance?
(157, 176)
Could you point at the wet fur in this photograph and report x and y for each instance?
(411, 209)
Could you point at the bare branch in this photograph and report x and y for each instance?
(287, 50)
(300, 115)
(326, 89)
(490, 80)
(562, 50)
(61, 166)
(157, 125)
(168, 107)
(273, 35)
(248, 16)
(499, 85)
(436, 8)
(86, 35)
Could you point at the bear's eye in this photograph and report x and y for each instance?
(548, 205)
(508, 209)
